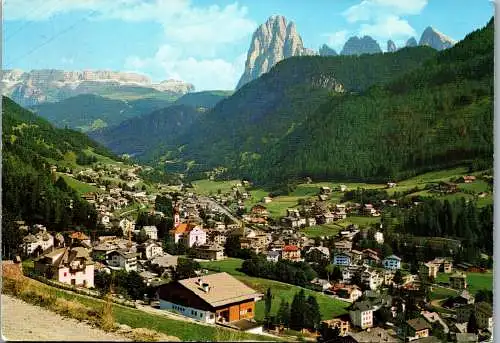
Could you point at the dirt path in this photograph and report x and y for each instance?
(22, 321)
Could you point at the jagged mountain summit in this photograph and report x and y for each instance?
(412, 42)
(325, 50)
(391, 46)
(272, 42)
(435, 39)
(49, 85)
(359, 46)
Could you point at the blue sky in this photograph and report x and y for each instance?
(203, 41)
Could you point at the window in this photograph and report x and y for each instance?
(65, 274)
(249, 310)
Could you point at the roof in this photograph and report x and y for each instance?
(362, 306)
(273, 253)
(466, 337)
(126, 254)
(224, 289)
(375, 335)
(64, 256)
(485, 307)
(165, 260)
(79, 235)
(393, 257)
(418, 324)
(181, 228)
(290, 248)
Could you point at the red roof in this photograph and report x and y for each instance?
(79, 235)
(290, 248)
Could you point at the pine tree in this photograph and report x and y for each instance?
(313, 314)
(268, 298)
(298, 311)
(283, 315)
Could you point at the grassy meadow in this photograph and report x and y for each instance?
(329, 307)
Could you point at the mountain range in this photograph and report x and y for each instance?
(367, 117)
(51, 85)
(89, 112)
(278, 39)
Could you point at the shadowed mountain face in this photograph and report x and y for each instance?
(359, 46)
(325, 50)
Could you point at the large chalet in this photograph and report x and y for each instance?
(216, 298)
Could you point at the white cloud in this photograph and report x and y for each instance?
(194, 35)
(205, 74)
(337, 39)
(392, 27)
(383, 19)
(369, 9)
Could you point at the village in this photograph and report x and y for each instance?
(377, 287)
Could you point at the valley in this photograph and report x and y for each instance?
(343, 194)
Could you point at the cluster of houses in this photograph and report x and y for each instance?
(203, 228)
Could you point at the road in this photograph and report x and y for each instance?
(22, 321)
(221, 208)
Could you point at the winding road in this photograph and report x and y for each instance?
(221, 208)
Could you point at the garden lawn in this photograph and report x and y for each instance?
(442, 293)
(322, 230)
(359, 220)
(475, 281)
(229, 265)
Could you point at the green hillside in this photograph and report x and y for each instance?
(205, 99)
(242, 127)
(436, 116)
(146, 134)
(30, 193)
(89, 112)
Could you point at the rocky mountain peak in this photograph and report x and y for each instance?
(41, 85)
(411, 42)
(391, 46)
(272, 42)
(325, 50)
(435, 39)
(359, 46)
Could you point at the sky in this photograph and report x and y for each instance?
(205, 42)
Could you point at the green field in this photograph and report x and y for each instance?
(207, 187)
(441, 293)
(322, 230)
(80, 187)
(475, 281)
(228, 265)
(329, 307)
(477, 186)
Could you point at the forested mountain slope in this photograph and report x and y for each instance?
(240, 128)
(149, 133)
(30, 146)
(88, 112)
(438, 115)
